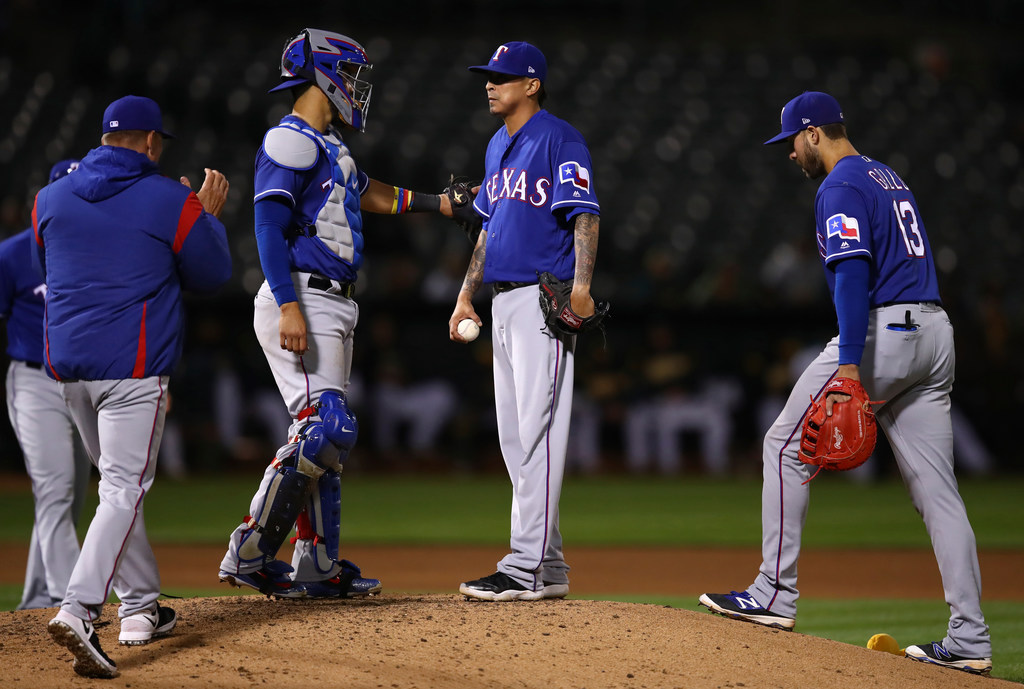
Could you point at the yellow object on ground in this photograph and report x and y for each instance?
(884, 642)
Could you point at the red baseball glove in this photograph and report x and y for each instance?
(847, 438)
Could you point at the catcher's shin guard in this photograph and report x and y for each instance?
(285, 495)
(318, 530)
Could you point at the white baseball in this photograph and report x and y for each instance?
(468, 329)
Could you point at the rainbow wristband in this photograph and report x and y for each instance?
(402, 202)
(406, 201)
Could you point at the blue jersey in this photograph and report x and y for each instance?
(864, 209)
(537, 181)
(22, 296)
(316, 176)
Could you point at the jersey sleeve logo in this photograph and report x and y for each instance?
(844, 226)
(577, 174)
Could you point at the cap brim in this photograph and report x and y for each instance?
(487, 69)
(288, 83)
(778, 139)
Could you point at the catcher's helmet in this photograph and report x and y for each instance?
(334, 63)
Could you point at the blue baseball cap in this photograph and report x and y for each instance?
(518, 59)
(134, 113)
(63, 168)
(809, 109)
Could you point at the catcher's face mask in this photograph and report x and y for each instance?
(337, 65)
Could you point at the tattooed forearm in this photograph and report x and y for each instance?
(475, 272)
(586, 246)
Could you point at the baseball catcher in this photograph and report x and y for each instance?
(556, 306)
(461, 195)
(846, 438)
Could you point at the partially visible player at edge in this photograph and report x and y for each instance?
(540, 214)
(309, 194)
(894, 337)
(58, 467)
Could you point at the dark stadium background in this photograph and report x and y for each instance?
(706, 245)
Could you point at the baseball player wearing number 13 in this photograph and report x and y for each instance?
(896, 339)
(540, 215)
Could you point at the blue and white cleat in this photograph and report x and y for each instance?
(349, 583)
(271, 580)
(740, 605)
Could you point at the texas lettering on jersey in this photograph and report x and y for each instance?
(511, 183)
(514, 184)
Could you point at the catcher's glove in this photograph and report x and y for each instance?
(556, 306)
(460, 194)
(847, 438)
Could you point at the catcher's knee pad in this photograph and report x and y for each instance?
(327, 442)
(284, 498)
(339, 423)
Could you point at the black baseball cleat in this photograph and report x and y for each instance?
(740, 605)
(143, 627)
(500, 587)
(936, 654)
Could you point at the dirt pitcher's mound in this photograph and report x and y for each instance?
(441, 641)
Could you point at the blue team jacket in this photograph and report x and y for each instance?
(21, 298)
(118, 243)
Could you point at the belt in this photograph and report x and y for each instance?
(345, 289)
(33, 364)
(499, 287)
(901, 303)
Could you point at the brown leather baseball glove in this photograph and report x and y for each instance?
(847, 438)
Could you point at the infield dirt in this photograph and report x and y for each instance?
(440, 640)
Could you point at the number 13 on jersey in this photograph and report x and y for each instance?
(907, 219)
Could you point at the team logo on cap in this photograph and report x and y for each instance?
(572, 171)
(844, 226)
(497, 53)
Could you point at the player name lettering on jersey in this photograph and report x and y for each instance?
(514, 184)
(843, 226)
(888, 179)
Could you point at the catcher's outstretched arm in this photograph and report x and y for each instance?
(586, 232)
(388, 199)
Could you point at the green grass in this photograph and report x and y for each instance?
(600, 511)
(617, 511)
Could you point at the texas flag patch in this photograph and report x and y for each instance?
(844, 226)
(575, 173)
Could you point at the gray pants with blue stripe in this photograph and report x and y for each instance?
(912, 369)
(121, 423)
(533, 380)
